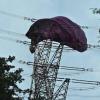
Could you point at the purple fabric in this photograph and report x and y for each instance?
(59, 29)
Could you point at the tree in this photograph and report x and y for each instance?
(9, 89)
(95, 10)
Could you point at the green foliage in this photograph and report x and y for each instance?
(96, 10)
(9, 79)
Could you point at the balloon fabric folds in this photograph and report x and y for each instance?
(59, 29)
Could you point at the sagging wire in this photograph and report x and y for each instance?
(15, 33)
(18, 16)
(61, 67)
(83, 88)
(54, 46)
(89, 88)
(34, 19)
(72, 80)
(11, 32)
(14, 40)
(28, 43)
(77, 68)
(20, 34)
(71, 69)
(70, 73)
(77, 81)
(67, 68)
(86, 82)
(81, 81)
(94, 83)
(86, 96)
(76, 95)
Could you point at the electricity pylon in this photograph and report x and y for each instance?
(45, 71)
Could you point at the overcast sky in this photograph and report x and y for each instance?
(76, 10)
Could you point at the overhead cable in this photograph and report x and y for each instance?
(18, 16)
(34, 19)
(11, 32)
(61, 67)
(81, 81)
(66, 48)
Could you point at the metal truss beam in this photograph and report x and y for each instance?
(61, 93)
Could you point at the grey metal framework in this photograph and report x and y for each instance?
(61, 93)
(45, 72)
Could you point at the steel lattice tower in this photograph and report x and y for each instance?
(61, 93)
(45, 71)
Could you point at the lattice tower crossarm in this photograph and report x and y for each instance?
(61, 93)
